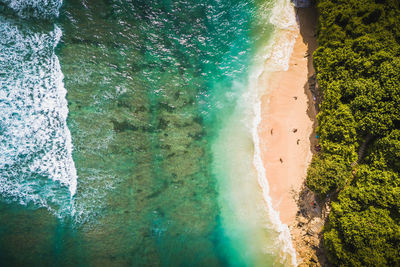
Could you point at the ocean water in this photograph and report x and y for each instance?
(128, 132)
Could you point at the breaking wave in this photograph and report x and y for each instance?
(36, 166)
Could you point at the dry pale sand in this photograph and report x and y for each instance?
(286, 126)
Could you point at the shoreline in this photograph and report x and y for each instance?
(286, 131)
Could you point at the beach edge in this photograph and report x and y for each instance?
(287, 142)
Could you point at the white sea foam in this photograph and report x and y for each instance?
(284, 20)
(35, 8)
(283, 15)
(36, 165)
(277, 58)
(274, 56)
(288, 254)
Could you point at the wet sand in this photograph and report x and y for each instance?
(288, 115)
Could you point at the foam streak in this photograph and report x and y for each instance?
(36, 163)
(284, 20)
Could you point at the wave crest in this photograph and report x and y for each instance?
(36, 165)
(35, 8)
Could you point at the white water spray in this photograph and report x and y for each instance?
(36, 165)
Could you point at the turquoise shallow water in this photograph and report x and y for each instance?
(154, 116)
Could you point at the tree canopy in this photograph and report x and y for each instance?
(358, 72)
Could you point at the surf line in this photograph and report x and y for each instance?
(277, 59)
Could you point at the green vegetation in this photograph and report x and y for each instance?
(327, 174)
(358, 71)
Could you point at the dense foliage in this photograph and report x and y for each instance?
(358, 71)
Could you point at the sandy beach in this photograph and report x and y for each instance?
(288, 116)
(287, 139)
